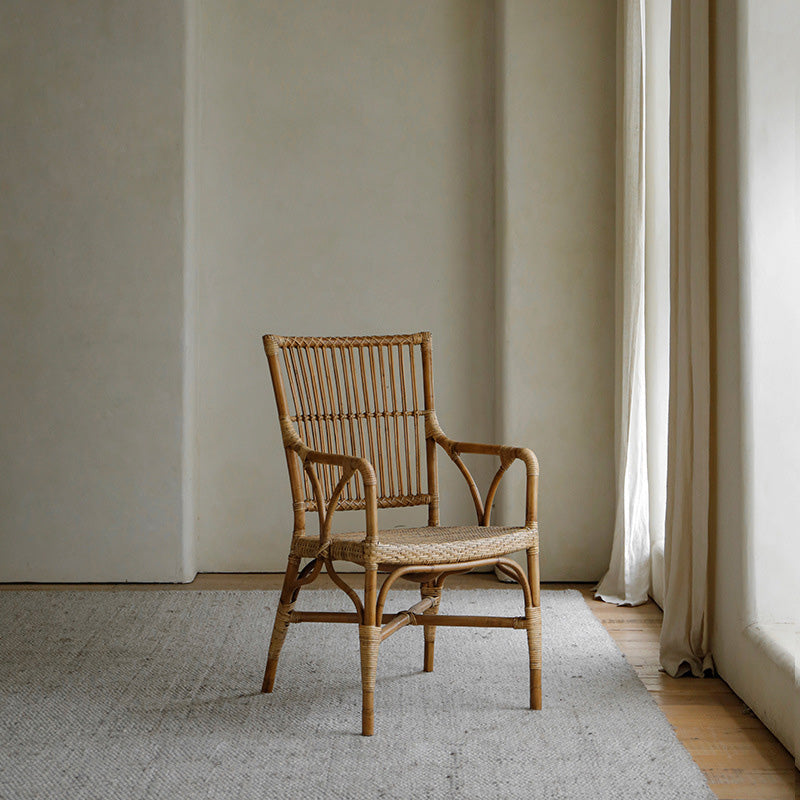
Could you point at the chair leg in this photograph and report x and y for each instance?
(369, 635)
(434, 591)
(281, 625)
(533, 626)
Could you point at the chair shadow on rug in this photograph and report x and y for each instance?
(357, 413)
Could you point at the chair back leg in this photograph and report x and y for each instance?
(434, 591)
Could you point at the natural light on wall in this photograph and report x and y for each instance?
(637, 564)
(771, 256)
(656, 256)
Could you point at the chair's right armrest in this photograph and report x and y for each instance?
(350, 465)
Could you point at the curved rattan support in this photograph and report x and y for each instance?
(316, 488)
(325, 529)
(515, 571)
(307, 575)
(335, 577)
(431, 570)
(324, 511)
(389, 581)
(440, 579)
(507, 455)
(473, 488)
(505, 463)
(349, 465)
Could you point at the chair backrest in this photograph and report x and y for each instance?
(363, 396)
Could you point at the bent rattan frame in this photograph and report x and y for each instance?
(358, 436)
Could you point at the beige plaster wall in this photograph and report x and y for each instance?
(335, 165)
(91, 235)
(555, 324)
(757, 209)
(344, 185)
(770, 252)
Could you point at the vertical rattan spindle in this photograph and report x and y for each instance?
(430, 444)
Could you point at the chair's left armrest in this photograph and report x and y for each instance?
(507, 456)
(505, 452)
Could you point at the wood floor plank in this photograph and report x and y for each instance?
(739, 756)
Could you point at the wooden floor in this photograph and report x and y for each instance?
(740, 758)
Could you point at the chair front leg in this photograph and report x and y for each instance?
(281, 625)
(533, 626)
(369, 635)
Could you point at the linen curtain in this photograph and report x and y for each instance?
(685, 516)
(628, 578)
(685, 630)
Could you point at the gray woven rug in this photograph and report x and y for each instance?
(136, 695)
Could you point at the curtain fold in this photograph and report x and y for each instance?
(685, 631)
(628, 578)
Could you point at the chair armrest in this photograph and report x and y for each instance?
(350, 465)
(505, 452)
(507, 456)
(360, 465)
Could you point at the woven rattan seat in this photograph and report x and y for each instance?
(359, 435)
(429, 545)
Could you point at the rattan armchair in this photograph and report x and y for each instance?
(355, 439)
